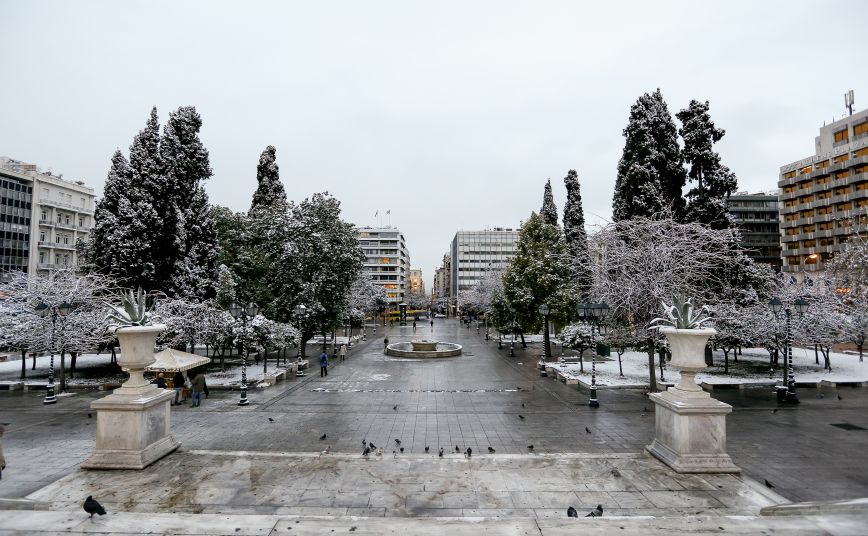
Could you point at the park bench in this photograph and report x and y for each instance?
(11, 385)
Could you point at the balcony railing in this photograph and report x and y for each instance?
(63, 204)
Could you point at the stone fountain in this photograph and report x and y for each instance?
(423, 348)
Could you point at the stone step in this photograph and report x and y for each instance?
(78, 522)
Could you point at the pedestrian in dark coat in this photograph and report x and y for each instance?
(178, 383)
(197, 389)
(323, 364)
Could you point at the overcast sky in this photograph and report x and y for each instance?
(449, 114)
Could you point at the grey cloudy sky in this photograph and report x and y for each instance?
(450, 114)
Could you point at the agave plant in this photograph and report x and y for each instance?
(682, 315)
(133, 311)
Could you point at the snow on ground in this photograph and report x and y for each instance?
(752, 367)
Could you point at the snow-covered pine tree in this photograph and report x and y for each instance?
(117, 183)
(714, 181)
(574, 233)
(549, 210)
(225, 292)
(270, 192)
(188, 251)
(650, 172)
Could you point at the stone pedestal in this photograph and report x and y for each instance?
(132, 430)
(690, 432)
(133, 423)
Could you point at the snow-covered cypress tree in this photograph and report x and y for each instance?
(269, 192)
(188, 260)
(574, 232)
(549, 210)
(650, 172)
(225, 291)
(102, 236)
(714, 181)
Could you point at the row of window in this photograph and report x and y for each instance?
(825, 163)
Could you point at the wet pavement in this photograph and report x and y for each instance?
(476, 400)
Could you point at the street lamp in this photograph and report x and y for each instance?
(44, 310)
(243, 312)
(544, 311)
(300, 311)
(787, 393)
(594, 314)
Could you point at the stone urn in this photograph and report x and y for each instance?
(137, 352)
(688, 354)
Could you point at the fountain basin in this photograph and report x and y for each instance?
(423, 348)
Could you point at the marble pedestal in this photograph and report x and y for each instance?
(132, 428)
(690, 432)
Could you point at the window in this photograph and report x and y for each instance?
(42, 236)
(805, 170)
(57, 239)
(41, 257)
(81, 222)
(789, 174)
(66, 239)
(860, 130)
(66, 219)
(842, 158)
(43, 216)
(861, 152)
(82, 203)
(59, 219)
(842, 136)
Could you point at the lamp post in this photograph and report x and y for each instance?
(243, 312)
(789, 381)
(547, 349)
(594, 314)
(44, 310)
(300, 311)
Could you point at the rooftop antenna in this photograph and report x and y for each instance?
(848, 101)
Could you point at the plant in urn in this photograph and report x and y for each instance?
(683, 328)
(131, 322)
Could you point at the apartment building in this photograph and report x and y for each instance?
(386, 260)
(474, 252)
(42, 218)
(824, 197)
(415, 283)
(756, 215)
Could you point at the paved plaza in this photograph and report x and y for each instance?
(268, 458)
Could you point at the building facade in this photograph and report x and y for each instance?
(756, 216)
(415, 283)
(474, 252)
(42, 218)
(387, 260)
(824, 198)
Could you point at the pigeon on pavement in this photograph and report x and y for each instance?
(426, 449)
(468, 452)
(616, 472)
(441, 452)
(768, 484)
(521, 417)
(397, 441)
(366, 451)
(270, 419)
(571, 512)
(587, 430)
(491, 450)
(322, 437)
(373, 447)
(395, 407)
(596, 512)
(92, 507)
(457, 449)
(530, 447)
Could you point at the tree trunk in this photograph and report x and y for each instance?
(816, 355)
(662, 356)
(581, 360)
(860, 345)
(72, 357)
(652, 380)
(62, 370)
(709, 356)
(725, 360)
(33, 355)
(114, 358)
(827, 363)
(620, 368)
(24, 364)
(264, 360)
(523, 344)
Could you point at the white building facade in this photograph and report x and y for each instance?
(42, 218)
(475, 252)
(387, 260)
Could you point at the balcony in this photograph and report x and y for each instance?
(56, 245)
(63, 204)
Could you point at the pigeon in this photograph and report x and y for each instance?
(821, 395)
(440, 454)
(616, 472)
(395, 407)
(457, 449)
(645, 410)
(373, 447)
(270, 419)
(468, 452)
(571, 512)
(92, 507)
(522, 404)
(775, 410)
(397, 441)
(327, 450)
(426, 449)
(596, 512)
(366, 451)
(322, 437)
(768, 484)
(587, 430)
(90, 415)
(521, 417)
(402, 450)
(530, 447)
(490, 450)
(380, 451)
(395, 453)
(364, 443)
(839, 397)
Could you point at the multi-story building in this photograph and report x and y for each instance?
(475, 252)
(42, 218)
(824, 198)
(386, 260)
(756, 216)
(415, 283)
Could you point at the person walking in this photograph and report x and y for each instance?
(323, 364)
(160, 381)
(197, 389)
(432, 323)
(343, 352)
(414, 326)
(385, 344)
(178, 383)
(2, 457)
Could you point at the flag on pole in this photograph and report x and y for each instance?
(377, 213)
(389, 211)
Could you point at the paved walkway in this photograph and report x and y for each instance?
(471, 401)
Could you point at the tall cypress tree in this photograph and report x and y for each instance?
(574, 233)
(714, 182)
(549, 211)
(650, 172)
(269, 191)
(189, 264)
